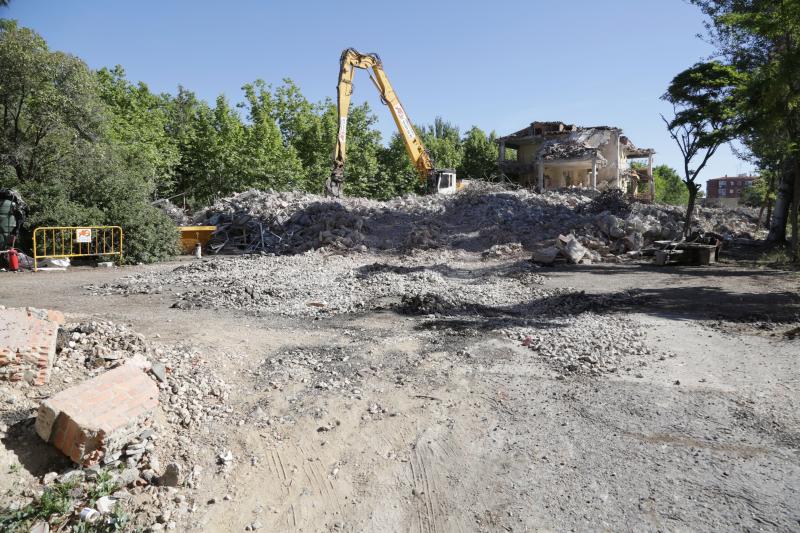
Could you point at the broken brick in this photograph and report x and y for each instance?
(28, 344)
(99, 416)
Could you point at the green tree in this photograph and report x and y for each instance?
(443, 141)
(138, 125)
(268, 161)
(398, 173)
(363, 146)
(760, 39)
(670, 189)
(308, 128)
(479, 155)
(182, 122)
(704, 100)
(58, 147)
(49, 104)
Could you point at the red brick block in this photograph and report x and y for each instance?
(28, 344)
(99, 416)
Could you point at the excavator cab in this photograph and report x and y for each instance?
(445, 181)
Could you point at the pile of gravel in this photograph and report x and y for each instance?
(317, 284)
(589, 343)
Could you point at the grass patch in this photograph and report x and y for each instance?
(54, 505)
(60, 506)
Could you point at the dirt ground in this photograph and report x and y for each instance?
(446, 427)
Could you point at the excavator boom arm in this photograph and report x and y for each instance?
(351, 60)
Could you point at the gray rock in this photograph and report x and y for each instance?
(545, 256)
(128, 476)
(159, 371)
(72, 476)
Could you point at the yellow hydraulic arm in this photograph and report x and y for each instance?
(351, 60)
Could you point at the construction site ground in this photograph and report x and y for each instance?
(451, 424)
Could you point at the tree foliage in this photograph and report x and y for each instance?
(138, 125)
(705, 118)
(479, 155)
(760, 41)
(60, 146)
(670, 188)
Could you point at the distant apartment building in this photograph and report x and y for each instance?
(726, 191)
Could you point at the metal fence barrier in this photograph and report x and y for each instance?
(73, 241)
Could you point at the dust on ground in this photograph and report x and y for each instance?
(451, 391)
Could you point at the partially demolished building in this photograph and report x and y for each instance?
(554, 155)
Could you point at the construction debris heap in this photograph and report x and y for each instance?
(479, 217)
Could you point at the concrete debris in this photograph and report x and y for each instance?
(588, 343)
(105, 505)
(570, 248)
(40, 527)
(570, 149)
(502, 250)
(338, 283)
(225, 457)
(613, 201)
(175, 213)
(127, 449)
(478, 218)
(545, 256)
(99, 344)
(159, 371)
(256, 221)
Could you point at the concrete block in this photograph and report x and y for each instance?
(99, 416)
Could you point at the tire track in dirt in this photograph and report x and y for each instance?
(431, 461)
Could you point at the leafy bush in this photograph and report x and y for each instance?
(69, 148)
(149, 235)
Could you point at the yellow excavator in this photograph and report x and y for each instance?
(435, 181)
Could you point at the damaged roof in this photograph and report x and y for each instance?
(568, 142)
(545, 130)
(570, 150)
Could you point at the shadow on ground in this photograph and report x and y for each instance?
(35, 455)
(683, 303)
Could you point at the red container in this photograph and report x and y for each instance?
(13, 260)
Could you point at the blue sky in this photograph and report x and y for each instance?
(497, 65)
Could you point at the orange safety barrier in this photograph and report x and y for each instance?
(73, 241)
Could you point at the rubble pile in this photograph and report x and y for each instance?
(476, 219)
(285, 222)
(589, 343)
(175, 213)
(97, 345)
(191, 395)
(152, 470)
(317, 284)
(610, 200)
